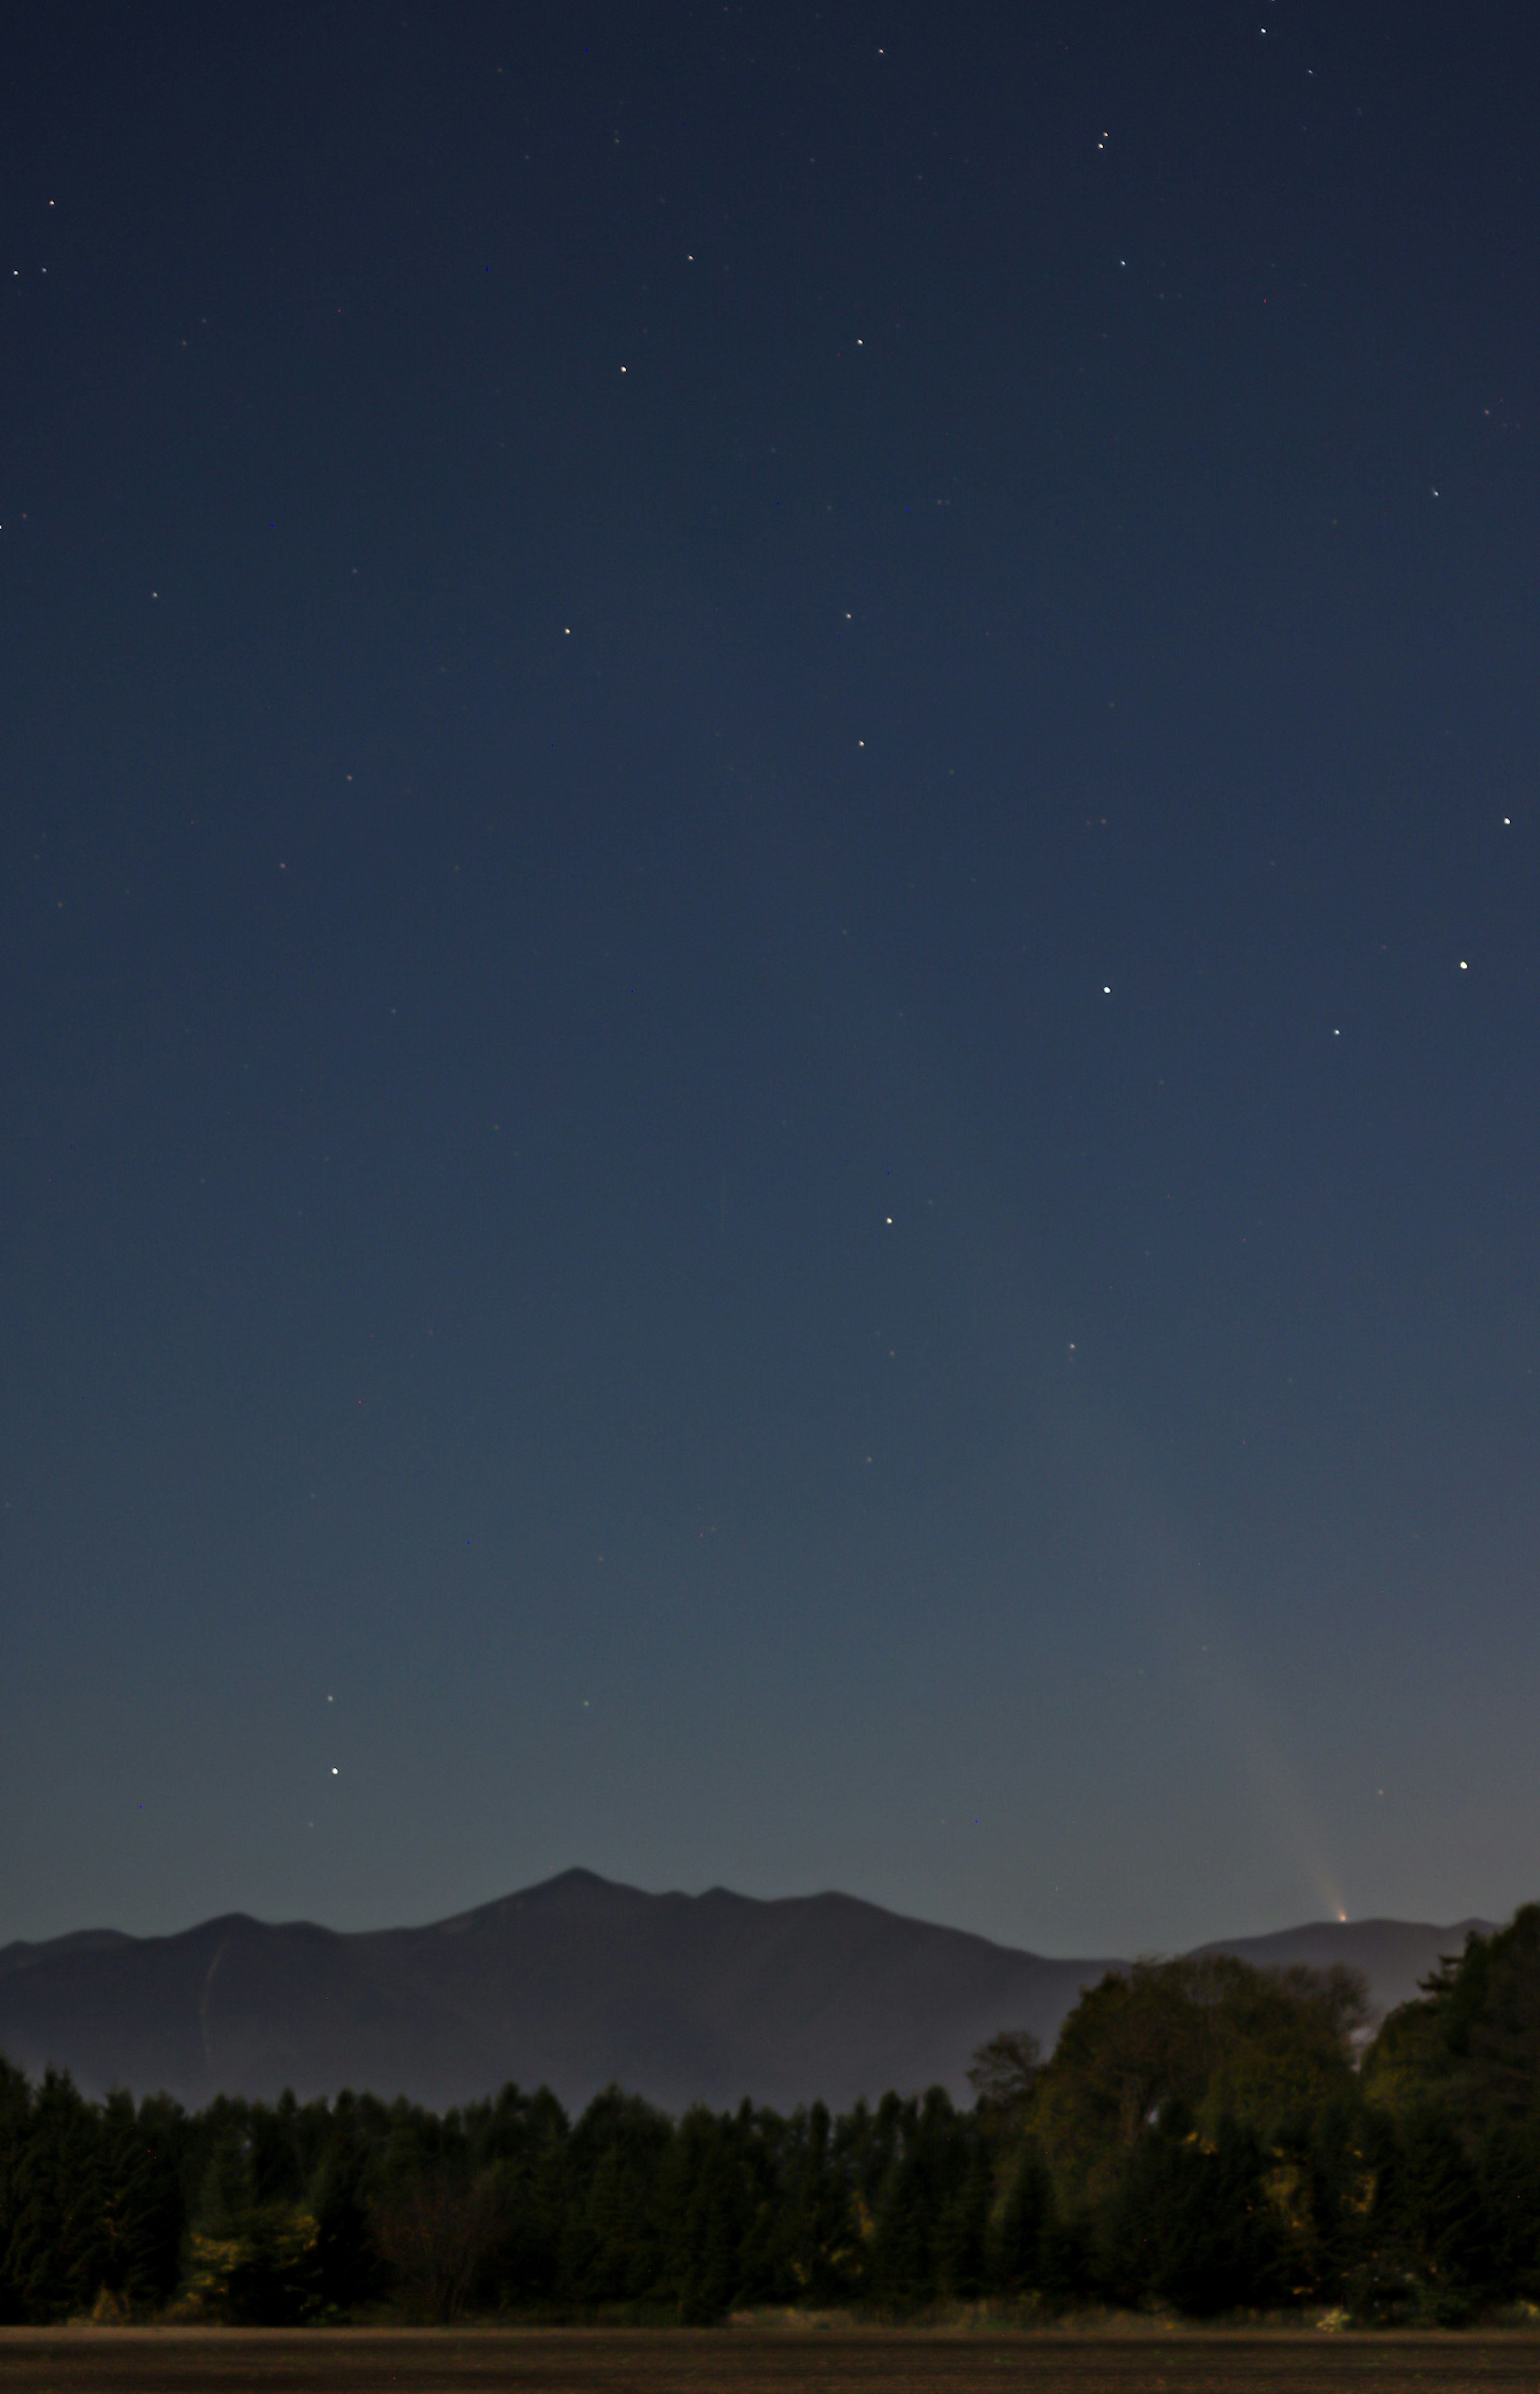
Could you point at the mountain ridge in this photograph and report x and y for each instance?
(578, 1982)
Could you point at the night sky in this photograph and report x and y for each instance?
(767, 960)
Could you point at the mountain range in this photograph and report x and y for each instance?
(577, 1983)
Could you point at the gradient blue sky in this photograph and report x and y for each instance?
(768, 929)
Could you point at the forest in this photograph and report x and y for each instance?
(1207, 2139)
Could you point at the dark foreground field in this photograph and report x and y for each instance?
(173, 2361)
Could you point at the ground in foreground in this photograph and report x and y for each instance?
(747, 2360)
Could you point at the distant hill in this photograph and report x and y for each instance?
(573, 1984)
(1393, 1954)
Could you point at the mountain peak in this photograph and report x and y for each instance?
(578, 1982)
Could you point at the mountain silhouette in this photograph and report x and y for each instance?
(577, 1983)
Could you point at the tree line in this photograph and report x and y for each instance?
(1207, 2139)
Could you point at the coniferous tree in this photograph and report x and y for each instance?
(1200, 2139)
(1191, 2224)
(143, 2211)
(1020, 2222)
(57, 2253)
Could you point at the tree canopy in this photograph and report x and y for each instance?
(1206, 2137)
